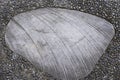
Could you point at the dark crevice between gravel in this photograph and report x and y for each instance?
(16, 67)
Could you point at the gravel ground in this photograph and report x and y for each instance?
(16, 67)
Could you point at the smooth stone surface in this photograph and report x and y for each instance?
(64, 43)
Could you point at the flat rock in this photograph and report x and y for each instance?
(64, 43)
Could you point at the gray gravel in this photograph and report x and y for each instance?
(16, 67)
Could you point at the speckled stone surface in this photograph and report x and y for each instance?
(16, 67)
